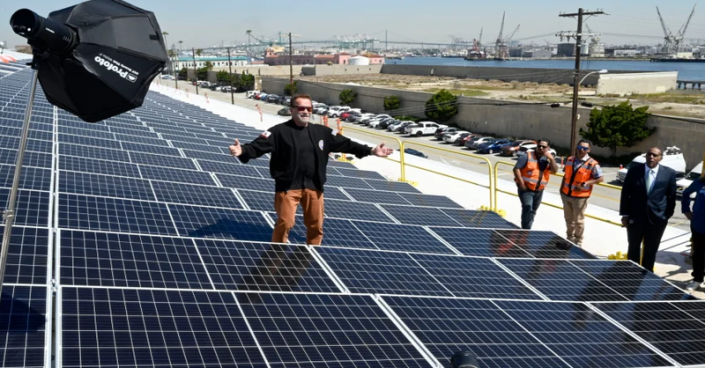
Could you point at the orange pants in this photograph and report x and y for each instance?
(285, 204)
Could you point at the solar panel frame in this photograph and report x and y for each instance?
(200, 195)
(162, 161)
(23, 332)
(220, 223)
(105, 186)
(156, 173)
(104, 167)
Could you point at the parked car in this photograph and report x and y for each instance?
(454, 136)
(272, 98)
(284, 111)
(375, 123)
(399, 128)
(464, 139)
(493, 146)
(319, 108)
(335, 111)
(251, 94)
(262, 96)
(422, 128)
(512, 148)
(359, 118)
(167, 76)
(476, 142)
(672, 157)
(411, 151)
(530, 147)
(352, 116)
(385, 123)
(688, 179)
(441, 131)
(376, 118)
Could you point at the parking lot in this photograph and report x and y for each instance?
(601, 196)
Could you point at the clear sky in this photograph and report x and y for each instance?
(208, 23)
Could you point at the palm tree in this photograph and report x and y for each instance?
(199, 52)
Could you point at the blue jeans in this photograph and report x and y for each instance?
(530, 202)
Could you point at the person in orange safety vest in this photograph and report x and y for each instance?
(531, 173)
(581, 173)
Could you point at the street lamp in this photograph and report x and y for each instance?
(574, 118)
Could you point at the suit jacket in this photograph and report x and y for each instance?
(656, 207)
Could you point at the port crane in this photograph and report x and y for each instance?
(672, 44)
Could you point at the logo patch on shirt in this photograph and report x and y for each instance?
(320, 144)
(265, 134)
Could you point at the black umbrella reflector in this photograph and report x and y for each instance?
(115, 54)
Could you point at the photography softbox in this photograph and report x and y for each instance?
(116, 51)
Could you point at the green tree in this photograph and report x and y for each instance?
(199, 52)
(442, 106)
(617, 126)
(347, 96)
(290, 89)
(391, 103)
(246, 82)
(222, 76)
(202, 73)
(209, 65)
(183, 73)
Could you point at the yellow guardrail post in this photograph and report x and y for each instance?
(491, 187)
(401, 148)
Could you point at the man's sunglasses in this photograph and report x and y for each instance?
(304, 108)
(542, 147)
(583, 148)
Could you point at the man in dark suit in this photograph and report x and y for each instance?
(648, 201)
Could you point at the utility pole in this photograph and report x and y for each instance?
(386, 47)
(195, 69)
(576, 73)
(230, 78)
(291, 65)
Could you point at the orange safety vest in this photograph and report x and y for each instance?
(571, 185)
(532, 175)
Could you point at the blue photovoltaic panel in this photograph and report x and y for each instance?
(263, 267)
(68, 149)
(114, 215)
(480, 242)
(28, 255)
(581, 337)
(544, 244)
(484, 219)
(341, 331)
(355, 173)
(355, 211)
(447, 326)
(474, 277)
(195, 194)
(369, 271)
(246, 182)
(428, 200)
(162, 161)
(402, 237)
(335, 233)
(105, 186)
(32, 144)
(262, 161)
(233, 168)
(339, 181)
(392, 186)
(345, 165)
(210, 156)
(196, 146)
(32, 177)
(153, 328)
(176, 175)
(148, 148)
(675, 328)
(419, 215)
(23, 326)
(32, 207)
(142, 140)
(376, 196)
(82, 132)
(260, 201)
(86, 141)
(631, 281)
(36, 159)
(221, 223)
(87, 165)
(104, 259)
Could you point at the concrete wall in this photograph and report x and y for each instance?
(282, 70)
(518, 121)
(636, 83)
(341, 69)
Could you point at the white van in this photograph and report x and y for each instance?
(689, 179)
(672, 157)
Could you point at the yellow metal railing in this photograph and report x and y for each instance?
(399, 142)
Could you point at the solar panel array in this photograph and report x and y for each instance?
(140, 241)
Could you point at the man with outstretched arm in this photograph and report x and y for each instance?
(298, 166)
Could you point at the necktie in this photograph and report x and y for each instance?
(649, 181)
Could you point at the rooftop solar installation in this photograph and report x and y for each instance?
(139, 241)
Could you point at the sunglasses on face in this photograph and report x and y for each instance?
(542, 147)
(303, 108)
(583, 148)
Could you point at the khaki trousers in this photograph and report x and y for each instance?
(285, 203)
(574, 214)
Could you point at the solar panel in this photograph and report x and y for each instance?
(89, 165)
(376, 196)
(176, 175)
(326, 330)
(354, 210)
(245, 182)
(486, 219)
(115, 215)
(544, 244)
(105, 186)
(148, 148)
(162, 161)
(234, 168)
(480, 242)
(419, 215)
(335, 232)
(263, 267)
(221, 223)
(32, 177)
(28, 255)
(105, 259)
(32, 207)
(195, 194)
(87, 141)
(155, 328)
(392, 186)
(402, 237)
(77, 150)
(260, 201)
(24, 317)
(355, 173)
(36, 159)
(339, 181)
(430, 200)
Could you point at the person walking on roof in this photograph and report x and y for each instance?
(581, 173)
(647, 201)
(298, 166)
(531, 174)
(697, 226)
